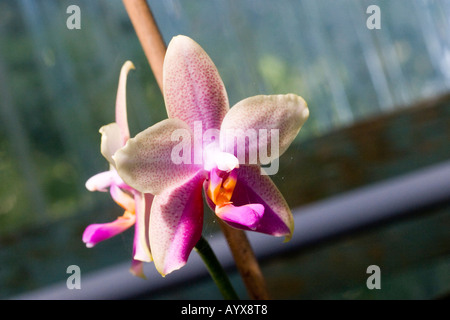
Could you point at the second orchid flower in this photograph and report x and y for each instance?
(136, 204)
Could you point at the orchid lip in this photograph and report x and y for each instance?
(247, 216)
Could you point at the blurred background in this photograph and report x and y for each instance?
(379, 103)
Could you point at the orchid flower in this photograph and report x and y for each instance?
(157, 162)
(136, 204)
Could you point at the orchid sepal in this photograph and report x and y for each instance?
(98, 232)
(136, 205)
(146, 160)
(193, 88)
(263, 127)
(176, 222)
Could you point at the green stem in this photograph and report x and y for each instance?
(215, 269)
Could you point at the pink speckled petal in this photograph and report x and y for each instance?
(121, 103)
(281, 115)
(146, 162)
(141, 245)
(193, 89)
(96, 233)
(252, 187)
(246, 217)
(176, 224)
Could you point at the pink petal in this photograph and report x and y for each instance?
(176, 223)
(252, 187)
(245, 217)
(121, 102)
(193, 89)
(146, 162)
(259, 129)
(96, 233)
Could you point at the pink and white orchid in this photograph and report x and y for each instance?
(236, 190)
(136, 204)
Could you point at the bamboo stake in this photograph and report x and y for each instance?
(154, 48)
(149, 36)
(246, 262)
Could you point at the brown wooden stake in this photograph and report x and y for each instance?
(154, 48)
(246, 262)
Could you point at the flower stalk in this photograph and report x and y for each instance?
(154, 49)
(215, 269)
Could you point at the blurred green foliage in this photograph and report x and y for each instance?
(61, 87)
